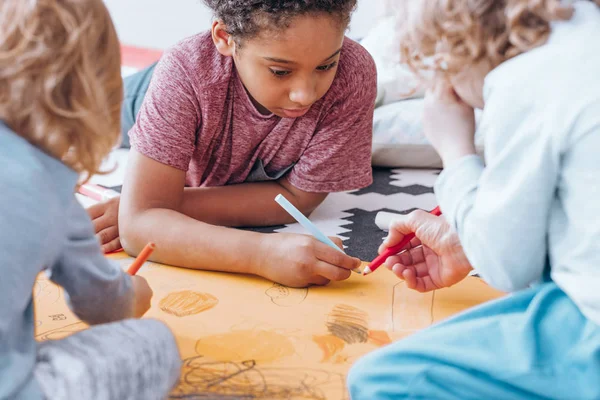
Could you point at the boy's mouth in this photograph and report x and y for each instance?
(294, 112)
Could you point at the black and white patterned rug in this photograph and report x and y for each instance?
(351, 215)
(348, 215)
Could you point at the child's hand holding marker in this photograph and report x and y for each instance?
(434, 258)
(301, 260)
(142, 291)
(317, 262)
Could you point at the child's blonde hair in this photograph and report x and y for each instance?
(60, 78)
(447, 35)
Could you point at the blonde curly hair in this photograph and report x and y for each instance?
(60, 78)
(447, 35)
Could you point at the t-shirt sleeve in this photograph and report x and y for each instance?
(338, 157)
(168, 121)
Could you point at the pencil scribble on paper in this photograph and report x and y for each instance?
(205, 379)
(285, 296)
(349, 324)
(46, 292)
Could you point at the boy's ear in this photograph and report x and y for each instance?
(222, 39)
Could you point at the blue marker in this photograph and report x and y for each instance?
(305, 222)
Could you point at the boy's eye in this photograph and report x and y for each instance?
(279, 72)
(327, 67)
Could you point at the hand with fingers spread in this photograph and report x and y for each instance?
(448, 122)
(434, 259)
(301, 260)
(105, 217)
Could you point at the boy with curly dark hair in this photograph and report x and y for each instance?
(273, 99)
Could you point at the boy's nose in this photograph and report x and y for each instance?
(304, 93)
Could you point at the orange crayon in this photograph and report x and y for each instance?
(141, 259)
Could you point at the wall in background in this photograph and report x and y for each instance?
(162, 23)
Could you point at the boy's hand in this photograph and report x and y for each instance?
(448, 122)
(105, 217)
(300, 261)
(142, 295)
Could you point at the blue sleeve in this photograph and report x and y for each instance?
(26, 239)
(99, 291)
(501, 211)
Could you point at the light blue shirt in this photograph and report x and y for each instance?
(43, 226)
(536, 203)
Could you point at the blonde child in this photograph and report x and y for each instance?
(524, 221)
(273, 99)
(60, 97)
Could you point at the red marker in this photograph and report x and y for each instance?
(391, 251)
(97, 192)
(141, 259)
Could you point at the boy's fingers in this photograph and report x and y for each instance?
(425, 284)
(331, 272)
(394, 236)
(413, 256)
(103, 222)
(384, 246)
(107, 235)
(320, 281)
(96, 210)
(407, 274)
(111, 246)
(336, 258)
(338, 242)
(391, 261)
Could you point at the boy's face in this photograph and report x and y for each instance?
(287, 71)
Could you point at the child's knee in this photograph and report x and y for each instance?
(357, 377)
(160, 339)
(384, 374)
(366, 376)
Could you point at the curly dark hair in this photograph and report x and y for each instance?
(246, 18)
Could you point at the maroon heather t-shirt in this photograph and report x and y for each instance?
(198, 117)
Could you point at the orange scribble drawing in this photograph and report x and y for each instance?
(187, 302)
(259, 345)
(379, 338)
(331, 345)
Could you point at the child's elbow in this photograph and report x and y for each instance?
(131, 242)
(310, 202)
(131, 239)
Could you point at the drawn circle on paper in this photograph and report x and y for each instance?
(258, 345)
(285, 296)
(45, 292)
(187, 302)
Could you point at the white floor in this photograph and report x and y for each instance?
(161, 23)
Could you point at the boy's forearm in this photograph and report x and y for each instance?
(183, 241)
(247, 204)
